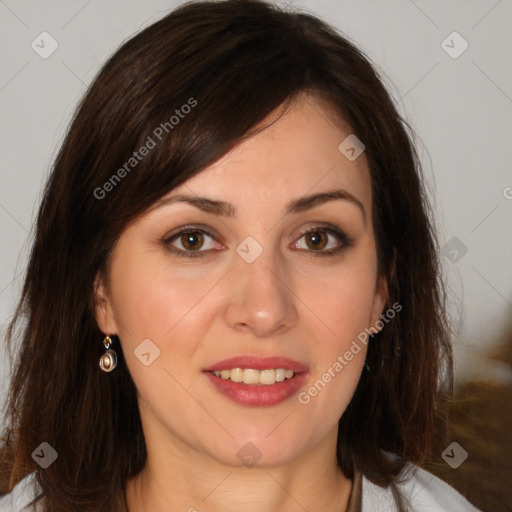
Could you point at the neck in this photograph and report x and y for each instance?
(183, 479)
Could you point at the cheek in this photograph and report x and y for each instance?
(343, 303)
(172, 310)
(152, 302)
(344, 310)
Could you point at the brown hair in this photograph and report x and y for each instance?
(238, 61)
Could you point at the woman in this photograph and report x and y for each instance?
(233, 295)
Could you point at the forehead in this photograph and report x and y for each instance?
(296, 153)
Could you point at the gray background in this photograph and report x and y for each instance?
(461, 108)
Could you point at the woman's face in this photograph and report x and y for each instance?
(271, 275)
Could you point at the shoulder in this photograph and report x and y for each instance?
(19, 498)
(423, 491)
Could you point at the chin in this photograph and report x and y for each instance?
(257, 450)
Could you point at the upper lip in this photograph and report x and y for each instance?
(257, 363)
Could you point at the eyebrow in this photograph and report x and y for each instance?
(301, 204)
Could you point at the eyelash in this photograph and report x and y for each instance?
(346, 241)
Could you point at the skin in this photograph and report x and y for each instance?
(289, 302)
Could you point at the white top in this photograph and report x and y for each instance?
(425, 492)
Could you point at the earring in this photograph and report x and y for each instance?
(108, 361)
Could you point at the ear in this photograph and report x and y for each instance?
(382, 291)
(380, 299)
(103, 309)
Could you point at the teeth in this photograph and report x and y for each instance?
(280, 374)
(250, 376)
(236, 375)
(267, 377)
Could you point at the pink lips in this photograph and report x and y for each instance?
(257, 363)
(256, 395)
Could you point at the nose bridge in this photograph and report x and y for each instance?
(260, 298)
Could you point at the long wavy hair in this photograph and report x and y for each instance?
(239, 61)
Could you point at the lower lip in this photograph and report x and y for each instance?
(252, 395)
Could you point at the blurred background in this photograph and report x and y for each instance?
(448, 66)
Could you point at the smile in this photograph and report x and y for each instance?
(256, 377)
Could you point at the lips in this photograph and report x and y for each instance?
(253, 393)
(257, 363)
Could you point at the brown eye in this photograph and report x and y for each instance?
(320, 241)
(316, 240)
(192, 241)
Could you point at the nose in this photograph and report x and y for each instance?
(261, 299)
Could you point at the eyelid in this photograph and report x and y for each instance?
(200, 228)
